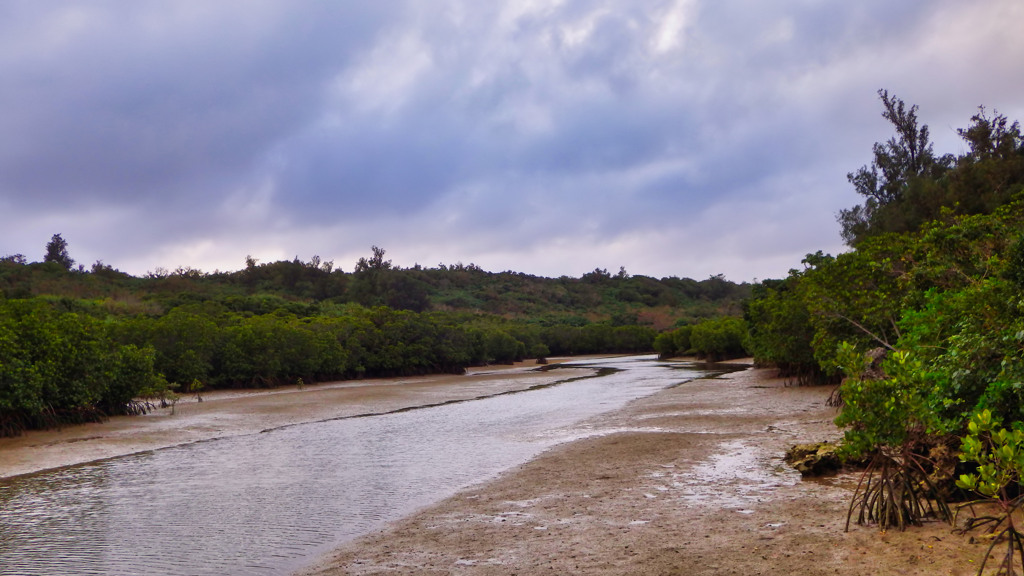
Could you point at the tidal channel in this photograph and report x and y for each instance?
(272, 502)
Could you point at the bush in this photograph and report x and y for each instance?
(673, 343)
(719, 339)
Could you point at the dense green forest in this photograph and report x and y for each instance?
(79, 343)
(922, 320)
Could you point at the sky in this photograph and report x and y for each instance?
(682, 138)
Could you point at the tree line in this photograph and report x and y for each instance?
(82, 343)
(68, 358)
(596, 296)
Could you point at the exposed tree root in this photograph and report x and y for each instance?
(896, 492)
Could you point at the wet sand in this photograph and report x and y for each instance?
(232, 413)
(687, 482)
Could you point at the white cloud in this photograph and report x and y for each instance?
(671, 26)
(386, 78)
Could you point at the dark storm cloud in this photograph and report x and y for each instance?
(114, 100)
(682, 137)
(545, 106)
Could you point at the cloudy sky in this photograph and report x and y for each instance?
(671, 137)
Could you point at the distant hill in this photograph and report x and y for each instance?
(598, 296)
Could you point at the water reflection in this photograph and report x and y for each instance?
(269, 503)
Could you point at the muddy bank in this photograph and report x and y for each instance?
(232, 413)
(689, 481)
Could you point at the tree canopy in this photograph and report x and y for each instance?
(57, 252)
(907, 185)
(922, 321)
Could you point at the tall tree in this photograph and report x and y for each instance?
(992, 137)
(368, 286)
(57, 251)
(374, 263)
(904, 156)
(898, 163)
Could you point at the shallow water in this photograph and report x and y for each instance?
(272, 502)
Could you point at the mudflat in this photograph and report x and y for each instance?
(231, 413)
(689, 481)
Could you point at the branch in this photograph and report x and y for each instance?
(895, 327)
(874, 336)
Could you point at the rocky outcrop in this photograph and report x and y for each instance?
(814, 459)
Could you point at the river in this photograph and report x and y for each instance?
(272, 502)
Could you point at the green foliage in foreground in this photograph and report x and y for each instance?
(999, 455)
(934, 291)
(942, 301)
(998, 452)
(882, 414)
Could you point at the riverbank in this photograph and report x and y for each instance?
(689, 481)
(229, 413)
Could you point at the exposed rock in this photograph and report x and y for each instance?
(814, 459)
